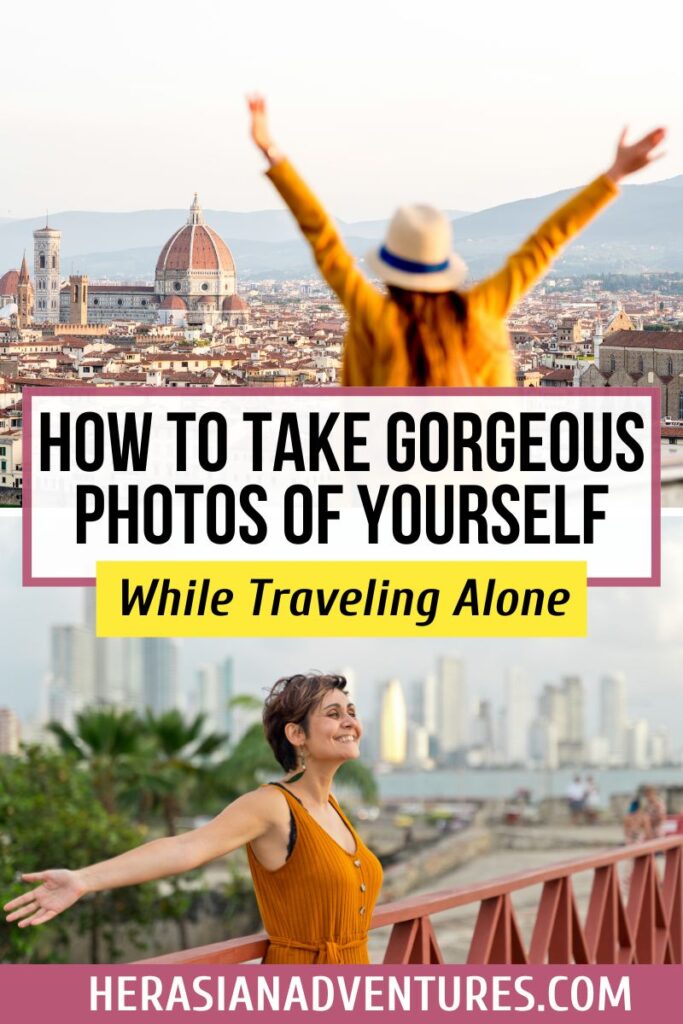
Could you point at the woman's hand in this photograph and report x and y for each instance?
(636, 156)
(60, 889)
(260, 131)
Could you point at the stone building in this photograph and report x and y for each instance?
(194, 284)
(8, 288)
(631, 358)
(46, 271)
(16, 289)
(24, 297)
(619, 320)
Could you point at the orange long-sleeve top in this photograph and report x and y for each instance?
(478, 352)
(317, 907)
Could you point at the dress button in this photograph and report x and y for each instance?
(362, 910)
(356, 863)
(363, 887)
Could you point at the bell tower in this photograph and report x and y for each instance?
(46, 248)
(78, 299)
(24, 304)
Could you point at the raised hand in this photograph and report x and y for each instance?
(260, 132)
(631, 158)
(59, 889)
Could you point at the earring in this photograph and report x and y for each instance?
(302, 760)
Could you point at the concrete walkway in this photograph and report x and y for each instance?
(454, 929)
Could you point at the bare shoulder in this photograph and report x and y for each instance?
(266, 803)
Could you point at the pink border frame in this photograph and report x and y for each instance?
(654, 580)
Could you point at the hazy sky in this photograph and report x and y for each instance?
(632, 629)
(461, 105)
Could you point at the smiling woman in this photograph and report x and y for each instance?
(316, 882)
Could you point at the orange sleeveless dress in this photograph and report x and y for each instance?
(317, 907)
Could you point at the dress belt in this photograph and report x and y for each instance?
(326, 952)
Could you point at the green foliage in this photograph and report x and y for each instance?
(50, 816)
(110, 742)
(150, 765)
(666, 282)
(179, 764)
(249, 762)
(75, 806)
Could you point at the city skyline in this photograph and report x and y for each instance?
(451, 82)
(645, 644)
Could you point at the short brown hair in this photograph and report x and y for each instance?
(291, 699)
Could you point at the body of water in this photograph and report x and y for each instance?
(487, 783)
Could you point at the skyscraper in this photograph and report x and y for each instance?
(452, 712)
(214, 694)
(160, 674)
(573, 752)
(516, 718)
(10, 731)
(393, 740)
(613, 715)
(72, 684)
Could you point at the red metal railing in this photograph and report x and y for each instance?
(638, 921)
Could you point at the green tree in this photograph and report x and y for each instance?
(50, 816)
(109, 741)
(180, 761)
(179, 764)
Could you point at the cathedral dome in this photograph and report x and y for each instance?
(173, 302)
(9, 282)
(234, 304)
(195, 247)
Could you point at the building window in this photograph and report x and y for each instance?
(641, 365)
(119, 302)
(3, 451)
(612, 363)
(176, 285)
(205, 287)
(54, 262)
(144, 302)
(95, 302)
(41, 261)
(3, 466)
(670, 367)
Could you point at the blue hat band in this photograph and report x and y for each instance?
(411, 266)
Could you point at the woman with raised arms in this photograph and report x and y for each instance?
(426, 328)
(316, 882)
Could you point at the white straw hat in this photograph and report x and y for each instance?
(418, 252)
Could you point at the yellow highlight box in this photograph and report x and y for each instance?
(341, 599)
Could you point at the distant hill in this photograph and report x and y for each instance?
(643, 230)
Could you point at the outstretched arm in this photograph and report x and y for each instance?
(244, 820)
(359, 298)
(498, 294)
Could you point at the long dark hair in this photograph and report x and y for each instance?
(427, 314)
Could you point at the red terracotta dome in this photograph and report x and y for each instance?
(195, 247)
(9, 282)
(234, 304)
(173, 302)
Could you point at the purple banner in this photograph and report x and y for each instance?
(82, 994)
